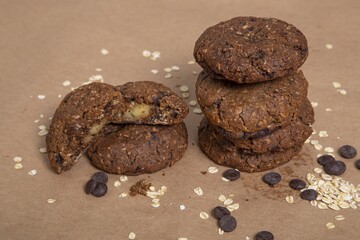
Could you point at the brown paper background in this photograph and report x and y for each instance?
(44, 43)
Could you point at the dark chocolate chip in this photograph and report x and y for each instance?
(100, 189)
(90, 186)
(227, 223)
(347, 151)
(297, 184)
(335, 168)
(357, 164)
(58, 159)
(272, 178)
(231, 174)
(264, 235)
(100, 177)
(309, 194)
(324, 159)
(220, 211)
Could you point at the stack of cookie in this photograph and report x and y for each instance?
(252, 93)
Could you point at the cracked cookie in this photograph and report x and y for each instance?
(251, 49)
(137, 149)
(250, 107)
(272, 140)
(82, 114)
(227, 154)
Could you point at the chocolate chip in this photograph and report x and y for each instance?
(335, 168)
(100, 177)
(297, 184)
(324, 159)
(272, 178)
(309, 194)
(357, 164)
(100, 189)
(227, 223)
(264, 235)
(347, 151)
(220, 211)
(90, 186)
(231, 174)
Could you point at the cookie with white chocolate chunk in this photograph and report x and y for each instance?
(86, 110)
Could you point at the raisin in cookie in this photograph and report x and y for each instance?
(251, 49)
(251, 107)
(83, 113)
(227, 154)
(138, 149)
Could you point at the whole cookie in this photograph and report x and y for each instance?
(271, 140)
(227, 154)
(251, 49)
(137, 149)
(83, 112)
(251, 107)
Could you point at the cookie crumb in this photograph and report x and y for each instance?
(140, 187)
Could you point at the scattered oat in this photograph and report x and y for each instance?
(122, 195)
(313, 142)
(342, 91)
(339, 218)
(213, 169)
(228, 201)
(146, 53)
(95, 78)
(152, 188)
(66, 83)
(117, 183)
(328, 109)
(323, 134)
(184, 88)
(220, 231)
(50, 200)
(43, 132)
(155, 204)
(233, 207)
(221, 198)
(42, 150)
(123, 178)
(247, 238)
(204, 215)
(329, 46)
(313, 203)
(17, 159)
(132, 235)
(182, 207)
(59, 96)
(194, 72)
(36, 121)
(42, 127)
(326, 177)
(197, 111)
(41, 97)
(98, 69)
(317, 170)
(163, 188)
(314, 104)
(18, 166)
(289, 199)
(182, 238)
(41, 115)
(307, 140)
(192, 103)
(104, 51)
(32, 172)
(329, 149)
(155, 200)
(155, 55)
(175, 68)
(330, 225)
(198, 191)
(167, 69)
(191, 62)
(168, 75)
(154, 71)
(336, 84)
(322, 205)
(318, 146)
(225, 179)
(185, 95)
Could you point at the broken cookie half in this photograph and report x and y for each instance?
(85, 111)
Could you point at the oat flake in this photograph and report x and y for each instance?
(336, 84)
(204, 215)
(117, 183)
(17, 159)
(198, 191)
(18, 166)
(32, 172)
(42, 150)
(104, 51)
(182, 207)
(154, 71)
(197, 111)
(41, 97)
(342, 91)
(132, 235)
(50, 200)
(329, 46)
(330, 225)
(314, 104)
(66, 83)
(192, 103)
(213, 169)
(184, 88)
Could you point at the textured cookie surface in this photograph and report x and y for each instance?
(227, 154)
(250, 107)
(250, 49)
(137, 149)
(271, 140)
(83, 112)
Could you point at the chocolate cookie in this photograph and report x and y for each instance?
(272, 140)
(227, 154)
(250, 49)
(251, 107)
(83, 112)
(137, 149)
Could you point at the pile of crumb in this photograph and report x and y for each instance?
(140, 187)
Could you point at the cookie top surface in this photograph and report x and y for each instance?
(137, 149)
(250, 107)
(251, 49)
(227, 154)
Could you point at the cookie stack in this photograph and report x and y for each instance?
(252, 93)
